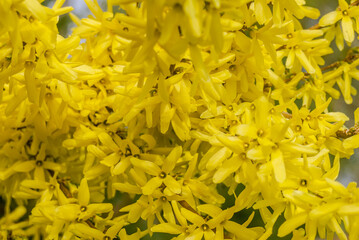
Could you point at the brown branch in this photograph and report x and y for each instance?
(316, 26)
(346, 133)
(333, 65)
(356, 3)
(64, 189)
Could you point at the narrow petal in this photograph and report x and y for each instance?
(107, 141)
(83, 193)
(240, 231)
(151, 185)
(39, 173)
(111, 160)
(167, 228)
(228, 167)
(349, 209)
(210, 209)
(291, 224)
(278, 165)
(290, 59)
(168, 213)
(86, 230)
(351, 142)
(171, 160)
(26, 166)
(121, 166)
(99, 207)
(219, 233)
(192, 217)
(330, 18)
(172, 184)
(304, 61)
(114, 229)
(147, 166)
(348, 30)
(68, 212)
(217, 158)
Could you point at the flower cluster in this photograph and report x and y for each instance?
(164, 104)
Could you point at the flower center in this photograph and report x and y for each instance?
(232, 68)
(298, 128)
(205, 227)
(260, 133)
(162, 175)
(83, 208)
(345, 13)
(39, 163)
(303, 182)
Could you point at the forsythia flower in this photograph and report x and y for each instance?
(198, 119)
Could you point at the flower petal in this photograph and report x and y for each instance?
(172, 184)
(348, 30)
(167, 228)
(289, 225)
(330, 18)
(83, 193)
(171, 160)
(68, 212)
(151, 185)
(278, 165)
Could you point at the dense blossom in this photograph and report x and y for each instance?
(176, 117)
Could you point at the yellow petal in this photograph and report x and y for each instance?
(229, 166)
(151, 185)
(111, 159)
(107, 141)
(262, 11)
(172, 184)
(217, 158)
(351, 142)
(240, 231)
(68, 212)
(167, 228)
(147, 166)
(126, 187)
(278, 165)
(348, 30)
(192, 9)
(172, 158)
(304, 61)
(349, 209)
(192, 217)
(330, 18)
(26, 166)
(291, 224)
(83, 193)
(86, 230)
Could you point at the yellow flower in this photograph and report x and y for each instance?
(345, 13)
(161, 175)
(82, 210)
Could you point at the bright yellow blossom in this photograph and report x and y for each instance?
(176, 117)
